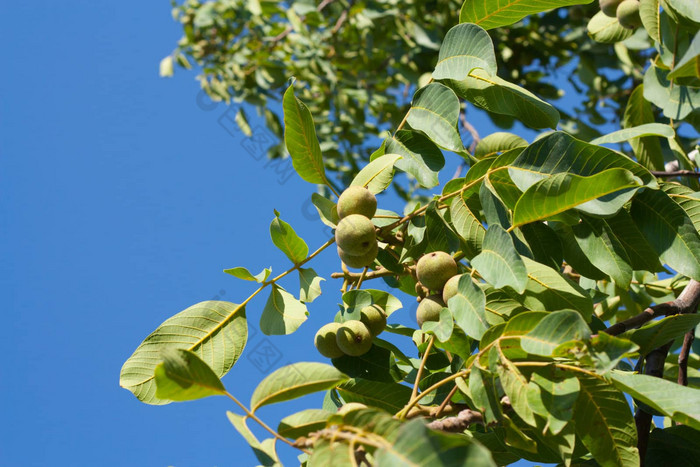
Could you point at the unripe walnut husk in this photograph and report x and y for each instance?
(374, 318)
(435, 269)
(628, 14)
(326, 341)
(357, 200)
(429, 309)
(354, 338)
(355, 235)
(450, 289)
(359, 261)
(609, 7)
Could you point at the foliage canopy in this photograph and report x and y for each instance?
(567, 246)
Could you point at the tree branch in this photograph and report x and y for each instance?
(654, 367)
(687, 302)
(458, 423)
(683, 357)
(676, 173)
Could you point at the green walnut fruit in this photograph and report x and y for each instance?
(628, 14)
(354, 338)
(357, 200)
(429, 309)
(374, 318)
(609, 7)
(359, 261)
(435, 269)
(450, 288)
(355, 235)
(326, 341)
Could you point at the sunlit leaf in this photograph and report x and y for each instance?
(183, 376)
(286, 239)
(293, 381)
(283, 314)
(215, 331)
(499, 263)
(492, 14)
(434, 111)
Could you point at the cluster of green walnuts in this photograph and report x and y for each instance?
(626, 11)
(355, 234)
(353, 337)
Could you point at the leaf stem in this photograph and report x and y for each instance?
(421, 366)
(262, 424)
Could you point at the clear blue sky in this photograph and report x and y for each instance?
(122, 201)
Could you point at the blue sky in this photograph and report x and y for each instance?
(124, 196)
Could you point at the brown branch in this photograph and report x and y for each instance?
(654, 367)
(459, 423)
(675, 173)
(353, 276)
(687, 302)
(683, 357)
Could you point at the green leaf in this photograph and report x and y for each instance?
(243, 273)
(296, 380)
(496, 143)
(384, 299)
(669, 230)
(283, 314)
(602, 28)
(216, 331)
(559, 152)
(416, 445)
(468, 308)
(464, 209)
(300, 139)
(494, 94)
(377, 175)
(265, 451)
(607, 351)
(516, 387)
(601, 194)
(680, 443)
(286, 239)
(493, 14)
(649, 14)
(166, 67)
(302, 423)
(332, 452)
(377, 364)
(687, 9)
(547, 289)
(646, 129)
(686, 198)
(552, 396)
(605, 424)
(657, 333)
(484, 394)
(555, 329)
(421, 158)
(183, 376)
(544, 243)
(640, 253)
(689, 64)
(327, 210)
(675, 100)
(442, 329)
(603, 249)
(681, 403)
(465, 47)
(242, 122)
(499, 263)
(310, 285)
(391, 397)
(434, 111)
(638, 114)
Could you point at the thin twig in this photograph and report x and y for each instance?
(362, 276)
(420, 367)
(445, 402)
(687, 302)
